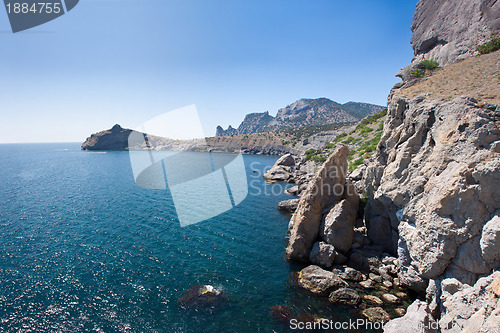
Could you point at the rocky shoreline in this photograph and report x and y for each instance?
(429, 218)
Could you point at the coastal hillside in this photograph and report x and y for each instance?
(302, 113)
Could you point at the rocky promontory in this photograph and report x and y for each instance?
(115, 138)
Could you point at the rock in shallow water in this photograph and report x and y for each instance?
(319, 281)
(345, 296)
(281, 313)
(389, 298)
(201, 296)
(372, 300)
(352, 274)
(376, 314)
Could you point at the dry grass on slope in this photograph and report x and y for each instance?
(477, 77)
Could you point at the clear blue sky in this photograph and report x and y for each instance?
(126, 61)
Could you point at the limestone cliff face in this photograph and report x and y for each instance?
(433, 186)
(447, 31)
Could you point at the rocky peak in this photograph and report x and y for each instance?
(116, 128)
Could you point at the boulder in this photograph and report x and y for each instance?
(278, 173)
(372, 300)
(376, 314)
(325, 189)
(387, 284)
(389, 298)
(352, 274)
(322, 254)
(345, 296)
(358, 173)
(416, 319)
(288, 205)
(490, 241)
(294, 190)
(286, 160)
(460, 303)
(367, 284)
(375, 277)
(337, 227)
(319, 281)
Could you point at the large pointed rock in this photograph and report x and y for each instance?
(337, 228)
(325, 189)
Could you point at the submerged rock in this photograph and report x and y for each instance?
(281, 313)
(201, 296)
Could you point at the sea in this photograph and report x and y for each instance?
(83, 248)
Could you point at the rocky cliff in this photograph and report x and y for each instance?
(302, 113)
(448, 31)
(432, 186)
(433, 191)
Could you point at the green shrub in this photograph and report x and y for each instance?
(330, 145)
(418, 73)
(363, 202)
(428, 64)
(492, 45)
(348, 140)
(322, 159)
(366, 130)
(355, 164)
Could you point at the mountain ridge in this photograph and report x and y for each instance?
(302, 113)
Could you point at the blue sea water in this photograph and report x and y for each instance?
(83, 248)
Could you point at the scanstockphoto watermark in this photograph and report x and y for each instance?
(328, 324)
(329, 182)
(353, 324)
(26, 14)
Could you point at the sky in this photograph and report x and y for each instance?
(128, 61)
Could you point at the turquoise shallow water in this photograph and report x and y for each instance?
(83, 248)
